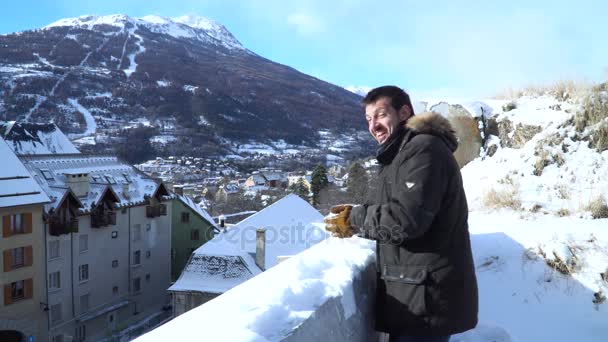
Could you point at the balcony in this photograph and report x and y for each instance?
(100, 220)
(57, 227)
(156, 210)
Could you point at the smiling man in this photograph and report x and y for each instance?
(427, 288)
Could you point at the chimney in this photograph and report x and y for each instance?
(222, 222)
(260, 248)
(179, 190)
(78, 183)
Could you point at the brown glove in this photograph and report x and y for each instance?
(338, 221)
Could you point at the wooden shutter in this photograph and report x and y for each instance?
(28, 288)
(8, 260)
(28, 258)
(27, 221)
(6, 226)
(7, 295)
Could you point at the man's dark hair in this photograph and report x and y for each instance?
(397, 95)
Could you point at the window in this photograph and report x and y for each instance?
(81, 333)
(148, 226)
(18, 257)
(83, 272)
(57, 338)
(185, 217)
(18, 290)
(136, 257)
(18, 224)
(148, 277)
(127, 177)
(96, 178)
(84, 243)
(114, 263)
(56, 313)
(110, 179)
(114, 234)
(47, 174)
(148, 254)
(55, 280)
(137, 285)
(137, 232)
(84, 303)
(115, 290)
(54, 249)
(194, 234)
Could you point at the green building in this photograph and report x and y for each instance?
(191, 227)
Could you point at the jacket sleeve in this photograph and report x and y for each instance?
(415, 199)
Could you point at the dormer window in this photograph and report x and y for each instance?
(127, 177)
(47, 174)
(97, 179)
(110, 179)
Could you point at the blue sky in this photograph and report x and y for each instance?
(459, 48)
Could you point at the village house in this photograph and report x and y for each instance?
(246, 249)
(191, 226)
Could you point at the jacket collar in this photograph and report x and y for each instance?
(387, 151)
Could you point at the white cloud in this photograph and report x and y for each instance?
(305, 23)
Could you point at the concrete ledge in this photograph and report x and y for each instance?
(325, 293)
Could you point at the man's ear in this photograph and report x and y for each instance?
(405, 113)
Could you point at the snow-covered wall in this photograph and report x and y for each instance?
(324, 293)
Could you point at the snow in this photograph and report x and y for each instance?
(26, 138)
(190, 88)
(190, 27)
(272, 304)
(88, 117)
(521, 295)
(17, 187)
(140, 49)
(359, 90)
(163, 83)
(162, 139)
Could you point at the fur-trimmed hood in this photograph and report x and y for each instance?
(435, 124)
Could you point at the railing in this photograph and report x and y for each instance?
(156, 210)
(103, 220)
(57, 227)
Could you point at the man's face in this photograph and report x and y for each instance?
(383, 119)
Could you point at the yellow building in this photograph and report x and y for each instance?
(22, 277)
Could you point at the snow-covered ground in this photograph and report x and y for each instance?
(88, 117)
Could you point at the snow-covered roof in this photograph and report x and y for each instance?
(290, 229)
(197, 209)
(104, 172)
(16, 184)
(36, 138)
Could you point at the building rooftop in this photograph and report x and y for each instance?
(17, 187)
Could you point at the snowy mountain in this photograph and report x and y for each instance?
(187, 77)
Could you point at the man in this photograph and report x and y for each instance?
(427, 288)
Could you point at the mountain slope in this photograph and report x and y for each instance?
(188, 75)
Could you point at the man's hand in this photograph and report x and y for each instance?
(338, 221)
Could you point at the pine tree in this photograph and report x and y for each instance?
(318, 183)
(357, 184)
(300, 188)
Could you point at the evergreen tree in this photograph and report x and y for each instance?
(357, 184)
(318, 183)
(300, 188)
